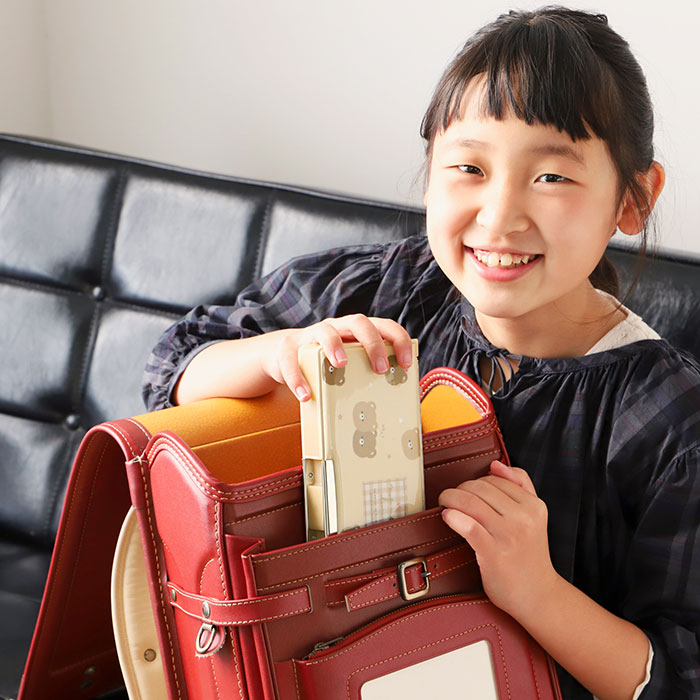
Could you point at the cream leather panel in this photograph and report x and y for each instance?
(132, 618)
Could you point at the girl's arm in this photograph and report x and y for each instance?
(605, 653)
(250, 367)
(505, 523)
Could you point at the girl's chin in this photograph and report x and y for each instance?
(504, 311)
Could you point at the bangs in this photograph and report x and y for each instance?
(541, 71)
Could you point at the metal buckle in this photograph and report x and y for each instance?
(403, 584)
(208, 639)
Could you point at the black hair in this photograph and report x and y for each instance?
(564, 68)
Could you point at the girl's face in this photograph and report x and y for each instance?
(518, 216)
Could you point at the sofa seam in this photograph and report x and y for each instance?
(263, 233)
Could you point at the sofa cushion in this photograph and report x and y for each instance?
(98, 255)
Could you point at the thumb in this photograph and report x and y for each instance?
(517, 476)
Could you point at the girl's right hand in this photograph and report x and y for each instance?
(283, 364)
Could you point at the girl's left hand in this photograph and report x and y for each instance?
(505, 523)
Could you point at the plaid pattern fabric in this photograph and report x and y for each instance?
(384, 500)
(611, 440)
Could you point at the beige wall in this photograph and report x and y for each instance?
(319, 93)
(24, 100)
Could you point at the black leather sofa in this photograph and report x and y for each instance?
(98, 255)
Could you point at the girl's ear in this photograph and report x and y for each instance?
(630, 220)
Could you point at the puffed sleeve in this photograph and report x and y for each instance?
(663, 577)
(297, 294)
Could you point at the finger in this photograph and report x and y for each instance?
(288, 366)
(330, 338)
(473, 532)
(399, 338)
(474, 506)
(514, 475)
(489, 491)
(290, 372)
(372, 332)
(368, 335)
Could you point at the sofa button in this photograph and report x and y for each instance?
(98, 293)
(72, 422)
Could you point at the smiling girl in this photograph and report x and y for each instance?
(539, 144)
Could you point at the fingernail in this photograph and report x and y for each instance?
(302, 393)
(340, 358)
(382, 365)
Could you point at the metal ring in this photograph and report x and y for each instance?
(205, 638)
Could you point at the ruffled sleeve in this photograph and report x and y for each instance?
(663, 577)
(301, 292)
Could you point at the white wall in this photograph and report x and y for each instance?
(319, 93)
(24, 100)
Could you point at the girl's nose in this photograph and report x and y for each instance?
(502, 209)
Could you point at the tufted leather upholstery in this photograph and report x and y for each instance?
(98, 255)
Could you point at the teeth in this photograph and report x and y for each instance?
(492, 259)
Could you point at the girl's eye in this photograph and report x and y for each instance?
(552, 178)
(470, 169)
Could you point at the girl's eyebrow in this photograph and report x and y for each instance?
(547, 149)
(551, 149)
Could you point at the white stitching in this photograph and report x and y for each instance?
(253, 621)
(460, 460)
(298, 504)
(213, 674)
(432, 644)
(355, 564)
(233, 604)
(219, 552)
(392, 525)
(387, 577)
(126, 437)
(208, 489)
(456, 381)
(201, 578)
(140, 427)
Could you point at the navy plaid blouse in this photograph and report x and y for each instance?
(611, 440)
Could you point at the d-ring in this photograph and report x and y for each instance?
(205, 638)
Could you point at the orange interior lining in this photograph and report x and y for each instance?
(445, 407)
(244, 439)
(237, 439)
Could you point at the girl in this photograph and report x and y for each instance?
(539, 147)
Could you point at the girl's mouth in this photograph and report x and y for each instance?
(505, 261)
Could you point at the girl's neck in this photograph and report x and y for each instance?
(549, 333)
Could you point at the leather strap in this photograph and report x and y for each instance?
(386, 584)
(244, 611)
(74, 629)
